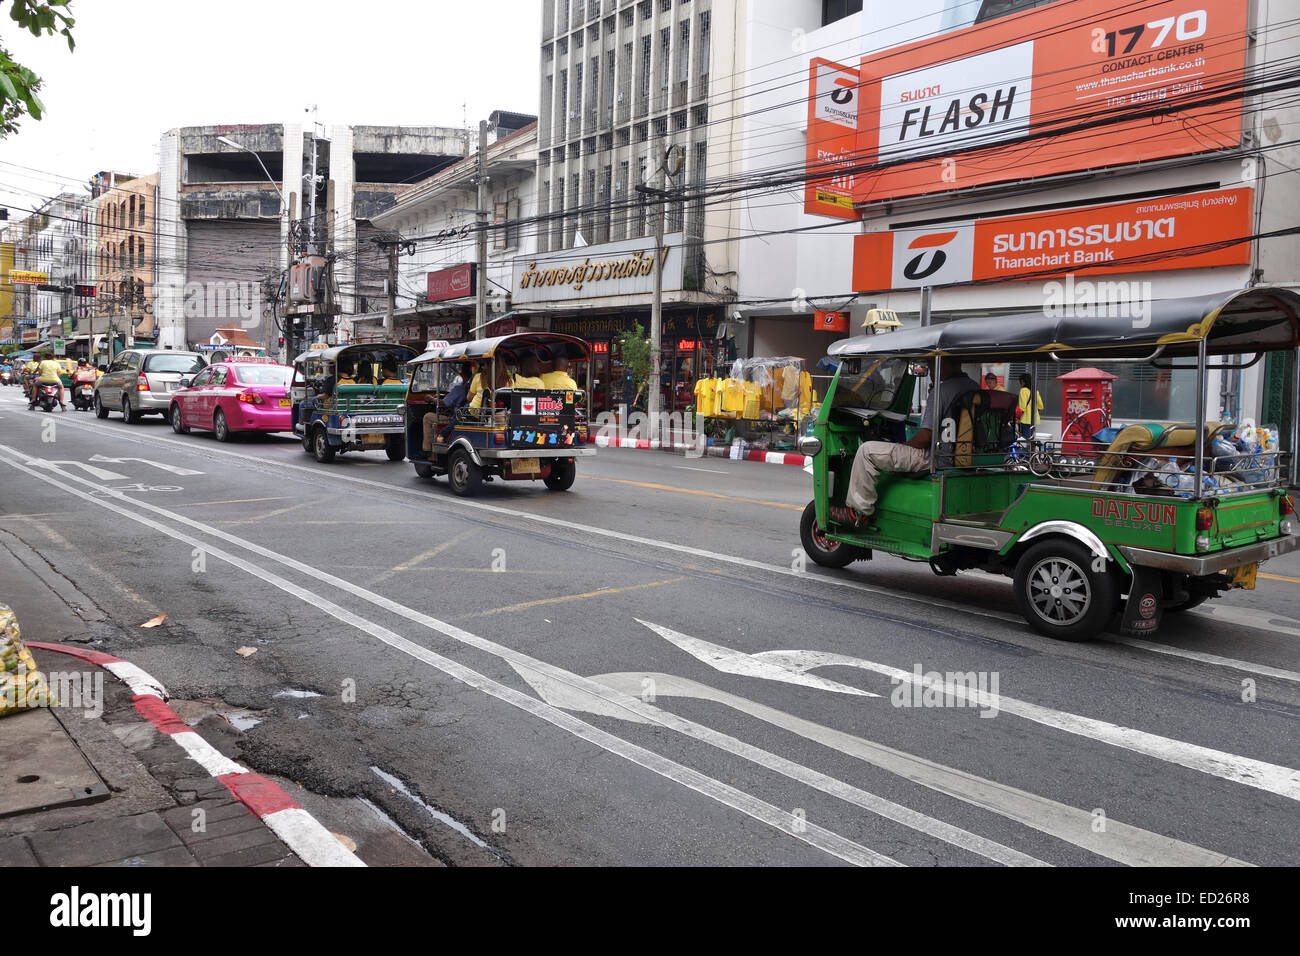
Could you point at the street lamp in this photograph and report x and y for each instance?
(283, 206)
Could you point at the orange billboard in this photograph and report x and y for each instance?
(1190, 231)
(1062, 88)
(832, 139)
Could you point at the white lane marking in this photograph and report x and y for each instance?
(305, 835)
(1274, 778)
(103, 474)
(174, 469)
(1261, 669)
(913, 819)
(711, 471)
(746, 665)
(1120, 842)
(810, 833)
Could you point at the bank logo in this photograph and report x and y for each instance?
(836, 97)
(933, 257)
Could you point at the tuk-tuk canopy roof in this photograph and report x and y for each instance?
(399, 353)
(1266, 318)
(551, 344)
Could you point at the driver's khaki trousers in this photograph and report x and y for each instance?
(872, 458)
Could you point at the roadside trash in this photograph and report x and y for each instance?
(246, 651)
(21, 685)
(154, 621)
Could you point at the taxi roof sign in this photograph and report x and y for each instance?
(879, 320)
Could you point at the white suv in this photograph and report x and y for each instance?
(141, 382)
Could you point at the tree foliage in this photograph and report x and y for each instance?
(19, 85)
(635, 348)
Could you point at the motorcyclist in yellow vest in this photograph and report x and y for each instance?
(49, 372)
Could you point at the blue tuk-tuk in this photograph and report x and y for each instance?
(472, 417)
(344, 401)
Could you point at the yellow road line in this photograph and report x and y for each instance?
(603, 592)
(1278, 577)
(703, 494)
(270, 514)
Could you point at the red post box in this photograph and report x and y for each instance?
(1085, 408)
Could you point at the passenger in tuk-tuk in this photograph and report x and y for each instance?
(530, 372)
(559, 376)
(502, 381)
(347, 374)
(389, 375)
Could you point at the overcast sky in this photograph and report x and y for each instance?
(145, 66)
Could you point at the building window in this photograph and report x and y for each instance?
(140, 210)
(833, 10)
(683, 53)
(645, 67)
(665, 54)
(706, 23)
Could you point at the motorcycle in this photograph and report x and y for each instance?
(47, 396)
(6, 376)
(83, 396)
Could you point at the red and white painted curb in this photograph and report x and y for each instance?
(767, 457)
(297, 829)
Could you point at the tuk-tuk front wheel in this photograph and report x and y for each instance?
(423, 470)
(1060, 592)
(463, 475)
(827, 553)
(562, 475)
(321, 447)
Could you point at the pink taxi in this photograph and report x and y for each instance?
(238, 395)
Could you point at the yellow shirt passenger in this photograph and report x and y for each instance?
(526, 381)
(558, 380)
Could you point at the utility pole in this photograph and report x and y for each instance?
(673, 158)
(392, 290)
(481, 210)
(287, 315)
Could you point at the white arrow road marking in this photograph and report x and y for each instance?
(1274, 778)
(1125, 844)
(807, 832)
(174, 469)
(736, 662)
(630, 685)
(100, 473)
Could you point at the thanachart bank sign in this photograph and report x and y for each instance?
(597, 272)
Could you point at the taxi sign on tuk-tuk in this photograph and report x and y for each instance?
(1151, 518)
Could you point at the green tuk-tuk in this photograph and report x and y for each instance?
(1156, 517)
(342, 403)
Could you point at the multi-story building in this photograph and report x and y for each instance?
(628, 90)
(225, 228)
(995, 233)
(59, 245)
(437, 285)
(124, 212)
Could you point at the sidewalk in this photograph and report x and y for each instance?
(113, 777)
(710, 451)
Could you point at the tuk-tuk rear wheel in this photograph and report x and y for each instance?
(423, 470)
(827, 553)
(463, 475)
(395, 447)
(561, 476)
(1060, 592)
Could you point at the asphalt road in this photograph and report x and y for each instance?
(641, 671)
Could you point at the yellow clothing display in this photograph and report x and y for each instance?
(558, 380)
(753, 400)
(733, 396)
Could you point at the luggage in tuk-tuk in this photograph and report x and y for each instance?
(350, 398)
(1151, 518)
(512, 407)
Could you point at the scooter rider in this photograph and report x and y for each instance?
(84, 374)
(48, 373)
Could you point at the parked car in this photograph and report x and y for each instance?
(239, 394)
(141, 382)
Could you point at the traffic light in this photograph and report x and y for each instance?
(84, 291)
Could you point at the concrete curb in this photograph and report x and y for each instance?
(765, 457)
(297, 829)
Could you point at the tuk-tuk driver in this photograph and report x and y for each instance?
(456, 396)
(873, 457)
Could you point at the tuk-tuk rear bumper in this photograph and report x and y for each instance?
(1201, 565)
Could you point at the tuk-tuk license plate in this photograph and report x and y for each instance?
(527, 466)
(285, 403)
(372, 439)
(1244, 576)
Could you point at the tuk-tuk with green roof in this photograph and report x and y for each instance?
(350, 398)
(1154, 518)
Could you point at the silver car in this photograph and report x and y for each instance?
(141, 382)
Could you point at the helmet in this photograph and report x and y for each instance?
(81, 361)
